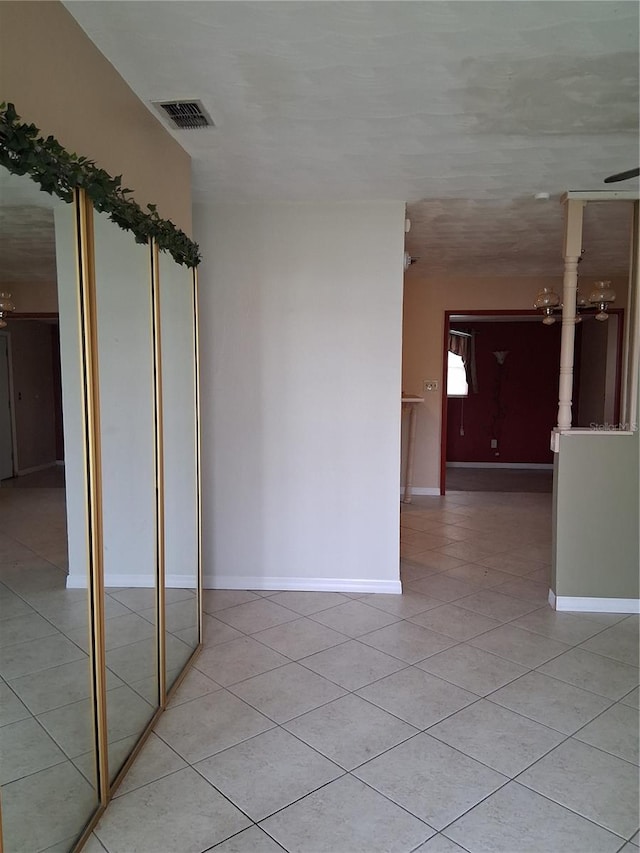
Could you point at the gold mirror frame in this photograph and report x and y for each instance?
(90, 398)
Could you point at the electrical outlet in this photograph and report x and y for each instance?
(430, 384)
(494, 443)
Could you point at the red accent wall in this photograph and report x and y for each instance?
(516, 403)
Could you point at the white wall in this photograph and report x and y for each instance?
(179, 423)
(126, 385)
(301, 326)
(72, 400)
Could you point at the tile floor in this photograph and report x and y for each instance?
(47, 768)
(462, 715)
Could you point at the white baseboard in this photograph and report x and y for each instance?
(421, 490)
(23, 471)
(523, 466)
(79, 581)
(588, 604)
(304, 584)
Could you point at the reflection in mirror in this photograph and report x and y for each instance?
(180, 474)
(126, 392)
(599, 351)
(47, 739)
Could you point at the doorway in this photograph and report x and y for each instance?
(496, 425)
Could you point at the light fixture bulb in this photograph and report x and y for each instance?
(601, 297)
(6, 305)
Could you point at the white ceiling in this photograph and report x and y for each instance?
(463, 109)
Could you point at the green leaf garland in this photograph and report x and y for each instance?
(24, 152)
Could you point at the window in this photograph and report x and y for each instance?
(456, 377)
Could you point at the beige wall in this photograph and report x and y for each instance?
(425, 301)
(60, 81)
(33, 297)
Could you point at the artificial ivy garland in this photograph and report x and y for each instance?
(24, 152)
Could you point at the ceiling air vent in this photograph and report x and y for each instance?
(185, 115)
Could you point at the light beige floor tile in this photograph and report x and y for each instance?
(518, 645)
(37, 655)
(439, 844)
(526, 589)
(540, 553)
(516, 819)
(592, 783)
(180, 812)
(632, 699)
(134, 599)
(354, 618)
(286, 692)
(219, 599)
(252, 840)
(540, 576)
(443, 588)
(410, 572)
(617, 643)
(71, 726)
(425, 541)
(93, 845)
(416, 521)
(471, 551)
(472, 669)
(593, 672)
(417, 697)
(551, 702)
(300, 638)
(405, 605)
(134, 662)
(352, 664)
(254, 616)
(194, 685)
(349, 731)
(73, 615)
(567, 628)
(209, 724)
(496, 605)
(26, 748)
(509, 562)
(155, 761)
(216, 632)
(119, 751)
(346, 815)
(455, 622)
(432, 781)
(407, 641)
(232, 662)
(12, 606)
(480, 576)
(615, 731)
(28, 626)
(268, 772)
(46, 808)
(60, 685)
(496, 736)
(11, 708)
(308, 602)
(436, 561)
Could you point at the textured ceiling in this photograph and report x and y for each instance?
(27, 237)
(464, 109)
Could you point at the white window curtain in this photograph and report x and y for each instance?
(464, 345)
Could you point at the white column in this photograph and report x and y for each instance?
(572, 252)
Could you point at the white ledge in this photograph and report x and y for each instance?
(557, 432)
